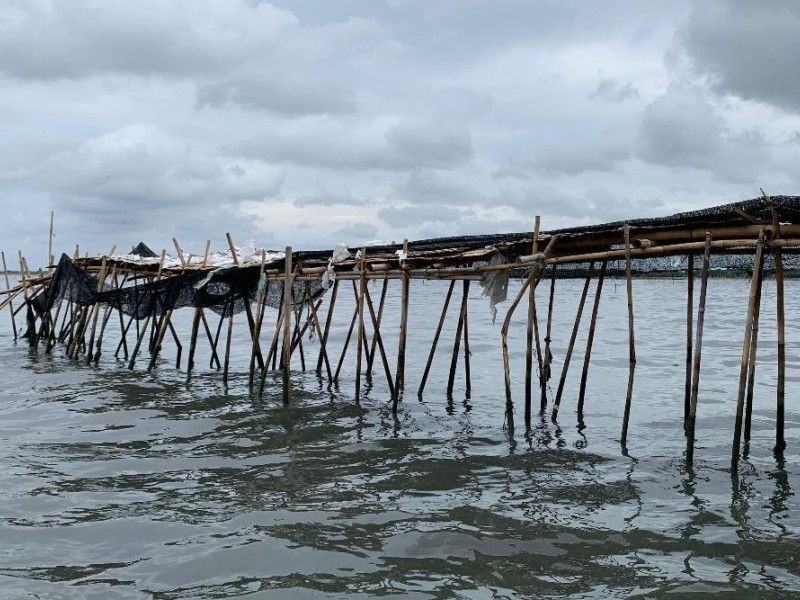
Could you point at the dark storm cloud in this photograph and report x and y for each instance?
(749, 49)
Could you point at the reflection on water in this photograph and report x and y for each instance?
(118, 484)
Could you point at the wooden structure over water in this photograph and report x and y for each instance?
(78, 299)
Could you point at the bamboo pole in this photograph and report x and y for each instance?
(371, 355)
(751, 367)
(360, 345)
(532, 279)
(695, 376)
(50, 261)
(180, 252)
(262, 298)
(631, 344)
(228, 345)
(233, 250)
(457, 342)
(328, 322)
(399, 382)
(8, 287)
(780, 443)
(346, 344)
(193, 339)
(590, 339)
(162, 330)
(143, 333)
(106, 318)
(211, 342)
(205, 254)
(573, 337)
(287, 345)
(689, 331)
(467, 352)
(323, 353)
(436, 339)
(530, 331)
(547, 359)
(376, 324)
(96, 311)
(754, 285)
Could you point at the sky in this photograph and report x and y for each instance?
(311, 122)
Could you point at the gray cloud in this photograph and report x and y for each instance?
(609, 90)
(290, 95)
(749, 49)
(606, 153)
(328, 198)
(409, 144)
(356, 233)
(681, 128)
(405, 216)
(424, 186)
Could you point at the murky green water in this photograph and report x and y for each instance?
(119, 484)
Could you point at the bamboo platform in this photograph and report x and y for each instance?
(77, 299)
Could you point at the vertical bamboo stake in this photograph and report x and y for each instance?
(96, 311)
(436, 338)
(780, 443)
(50, 265)
(323, 353)
(531, 317)
(233, 249)
(751, 367)
(754, 285)
(376, 323)
(631, 345)
(8, 287)
(180, 252)
(193, 340)
(162, 330)
(328, 321)
(287, 319)
(228, 345)
(695, 376)
(457, 343)
(360, 346)
(590, 338)
(143, 333)
(689, 326)
(205, 255)
(399, 381)
(570, 348)
(547, 359)
(262, 299)
(371, 355)
(467, 353)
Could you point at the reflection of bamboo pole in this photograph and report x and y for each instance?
(751, 367)
(8, 287)
(631, 345)
(748, 332)
(287, 319)
(590, 339)
(399, 382)
(547, 359)
(780, 444)
(689, 309)
(531, 322)
(436, 338)
(695, 375)
(573, 337)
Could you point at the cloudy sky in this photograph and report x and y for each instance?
(312, 122)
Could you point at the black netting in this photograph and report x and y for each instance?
(141, 249)
(223, 290)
